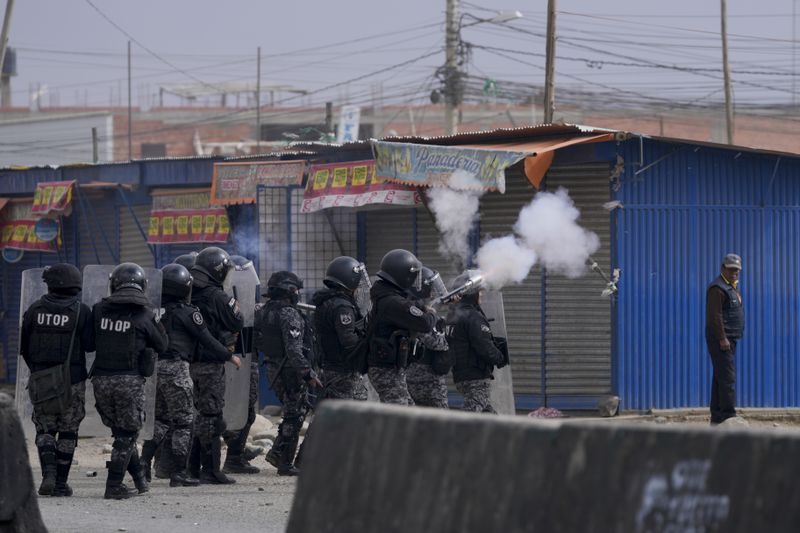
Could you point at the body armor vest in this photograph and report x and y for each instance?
(52, 330)
(182, 344)
(271, 336)
(115, 337)
(732, 310)
(325, 317)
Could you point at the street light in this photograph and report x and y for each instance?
(452, 74)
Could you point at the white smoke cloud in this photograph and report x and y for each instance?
(455, 209)
(504, 260)
(549, 226)
(546, 230)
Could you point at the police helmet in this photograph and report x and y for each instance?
(62, 276)
(187, 260)
(128, 275)
(176, 281)
(400, 268)
(344, 272)
(215, 262)
(285, 280)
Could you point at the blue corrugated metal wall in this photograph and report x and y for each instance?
(680, 217)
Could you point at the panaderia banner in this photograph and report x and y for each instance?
(352, 184)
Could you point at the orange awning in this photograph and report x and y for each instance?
(541, 151)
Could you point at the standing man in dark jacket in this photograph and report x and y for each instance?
(340, 328)
(221, 314)
(398, 319)
(47, 327)
(474, 350)
(287, 340)
(128, 338)
(724, 329)
(174, 404)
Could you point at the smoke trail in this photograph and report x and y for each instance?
(549, 226)
(455, 209)
(504, 260)
(546, 230)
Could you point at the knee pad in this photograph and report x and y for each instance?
(292, 426)
(67, 442)
(45, 439)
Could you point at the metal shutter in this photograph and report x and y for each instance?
(578, 319)
(132, 245)
(387, 228)
(98, 233)
(522, 302)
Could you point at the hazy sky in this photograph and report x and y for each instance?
(636, 50)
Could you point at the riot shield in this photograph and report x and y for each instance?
(33, 288)
(241, 283)
(95, 288)
(502, 385)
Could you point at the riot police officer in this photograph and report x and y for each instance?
(128, 338)
(174, 406)
(340, 328)
(398, 318)
(50, 326)
(221, 314)
(287, 340)
(474, 349)
(430, 361)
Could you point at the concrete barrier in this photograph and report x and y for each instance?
(372, 467)
(19, 509)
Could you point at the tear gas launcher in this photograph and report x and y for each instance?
(473, 284)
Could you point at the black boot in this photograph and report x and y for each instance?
(166, 463)
(136, 472)
(251, 452)
(63, 465)
(235, 463)
(180, 477)
(115, 490)
(286, 466)
(47, 458)
(273, 456)
(148, 451)
(211, 472)
(195, 459)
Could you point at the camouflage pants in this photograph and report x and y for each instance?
(65, 424)
(120, 401)
(209, 400)
(425, 387)
(477, 395)
(174, 405)
(292, 391)
(390, 383)
(343, 385)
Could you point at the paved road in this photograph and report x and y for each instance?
(258, 503)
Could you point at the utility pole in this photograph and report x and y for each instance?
(329, 134)
(550, 64)
(95, 152)
(130, 109)
(258, 100)
(5, 80)
(726, 72)
(794, 54)
(452, 79)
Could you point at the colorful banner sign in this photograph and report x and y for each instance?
(237, 183)
(21, 235)
(188, 225)
(454, 166)
(352, 184)
(53, 197)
